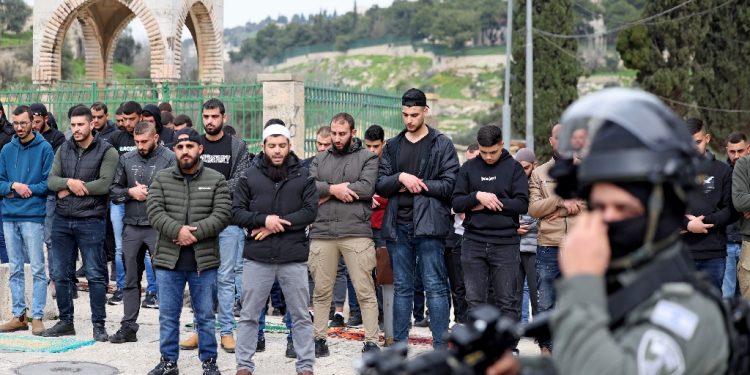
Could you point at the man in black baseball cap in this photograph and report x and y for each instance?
(40, 122)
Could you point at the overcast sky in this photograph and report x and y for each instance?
(239, 12)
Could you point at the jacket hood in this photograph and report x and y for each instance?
(38, 139)
(355, 146)
(504, 155)
(293, 165)
(154, 111)
(6, 126)
(432, 133)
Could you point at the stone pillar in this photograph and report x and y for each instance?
(284, 98)
(432, 102)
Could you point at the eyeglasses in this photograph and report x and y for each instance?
(21, 123)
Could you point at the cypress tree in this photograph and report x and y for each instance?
(720, 72)
(556, 68)
(662, 49)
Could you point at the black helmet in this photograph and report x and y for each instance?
(629, 137)
(664, 151)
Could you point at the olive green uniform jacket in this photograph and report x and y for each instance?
(677, 330)
(203, 203)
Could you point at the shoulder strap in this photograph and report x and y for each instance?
(671, 269)
(674, 269)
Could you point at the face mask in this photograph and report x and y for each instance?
(626, 236)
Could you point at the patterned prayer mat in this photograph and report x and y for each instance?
(23, 343)
(346, 333)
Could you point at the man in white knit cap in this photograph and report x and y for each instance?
(275, 201)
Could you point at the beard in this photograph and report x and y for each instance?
(277, 172)
(416, 128)
(344, 149)
(215, 130)
(147, 151)
(187, 164)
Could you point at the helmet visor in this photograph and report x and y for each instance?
(639, 113)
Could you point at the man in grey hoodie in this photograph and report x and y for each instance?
(528, 232)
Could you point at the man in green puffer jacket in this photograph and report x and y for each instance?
(189, 206)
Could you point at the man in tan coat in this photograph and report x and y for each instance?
(556, 217)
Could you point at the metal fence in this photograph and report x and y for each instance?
(243, 102)
(368, 107)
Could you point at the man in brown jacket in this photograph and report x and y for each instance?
(556, 217)
(345, 176)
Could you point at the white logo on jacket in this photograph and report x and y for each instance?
(491, 178)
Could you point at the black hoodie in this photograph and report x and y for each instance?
(166, 135)
(6, 131)
(508, 182)
(713, 200)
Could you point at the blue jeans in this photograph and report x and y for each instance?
(23, 241)
(3, 250)
(403, 253)
(525, 303)
(729, 285)
(150, 275)
(70, 234)
(50, 206)
(277, 296)
(547, 271)
(419, 313)
(714, 269)
(116, 213)
(262, 322)
(171, 286)
(231, 244)
(48, 221)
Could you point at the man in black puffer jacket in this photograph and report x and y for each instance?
(275, 201)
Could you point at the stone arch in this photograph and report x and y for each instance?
(199, 20)
(48, 67)
(110, 52)
(92, 47)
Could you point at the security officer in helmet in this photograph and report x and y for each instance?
(629, 301)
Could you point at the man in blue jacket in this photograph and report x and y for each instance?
(24, 167)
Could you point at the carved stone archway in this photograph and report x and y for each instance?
(102, 22)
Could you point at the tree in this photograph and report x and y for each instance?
(13, 15)
(454, 27)
(720, 78)
(556, 68)
(126, 48)
(618, 13)
(663, 51)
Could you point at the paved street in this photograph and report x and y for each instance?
(140, 357)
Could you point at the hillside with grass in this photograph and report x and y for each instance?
(467, 94)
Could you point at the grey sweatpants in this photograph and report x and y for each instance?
(257, 280)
